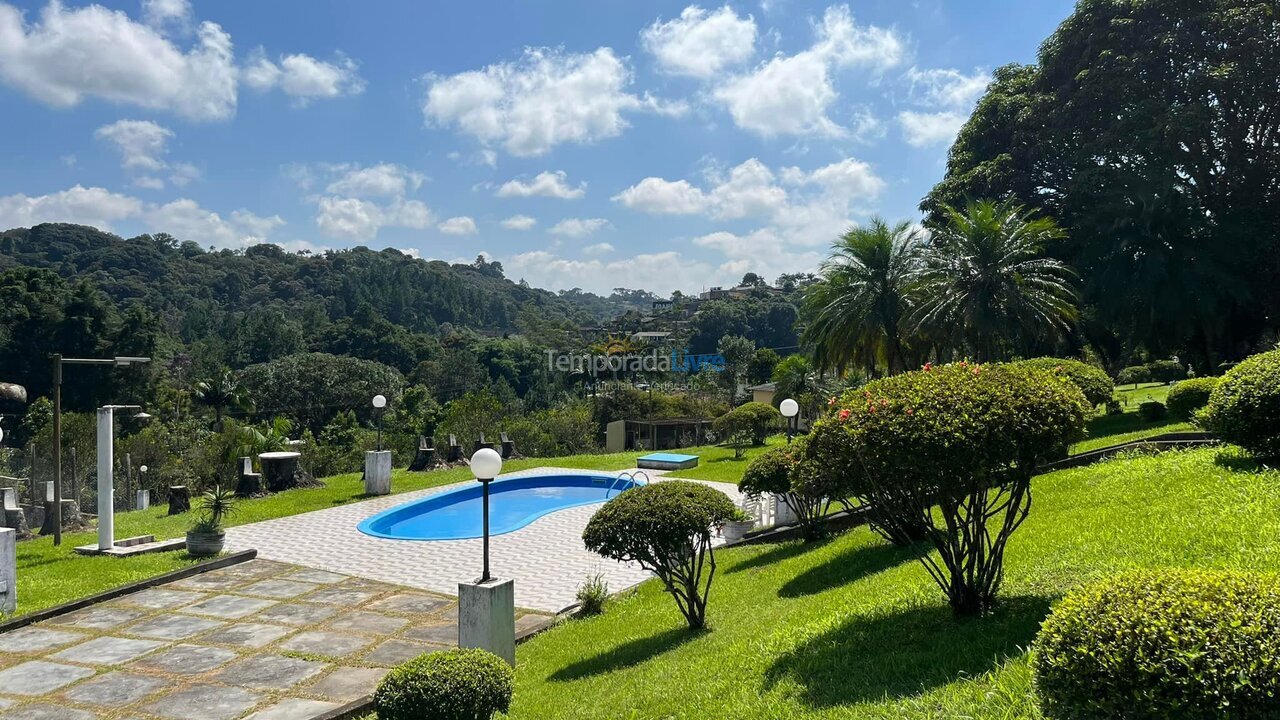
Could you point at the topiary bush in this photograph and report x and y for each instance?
(1188, 396)
(1093, 381)
(1152, 411)
(1166, 371)
(665, 527)
(1244, 409)
(750, 423)
(961, 441)
(803, 486)
(1133, 375)
(456, 684)
(1188, 644)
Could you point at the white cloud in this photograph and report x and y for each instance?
(658, 272)
(384, 180)
(547, 98)
(142, 144)
(699, 43)
(598, 249)
(182, 174)
(69, 54)
(546, 184)
(86, 206)
(947, 88)
(579, 227)
(351, 218)
(793, 94)
(303, 77)
(182, 218)
(519, 222)
(930, 128)
(165, 14)
(663, 197)
(461, 225)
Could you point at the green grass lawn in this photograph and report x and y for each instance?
(1131, 396)
(854, 628)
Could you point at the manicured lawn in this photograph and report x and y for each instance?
(49, 575)
(854, 628)
(1131, 396)
(1105, 430)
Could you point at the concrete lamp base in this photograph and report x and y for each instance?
(377, 472)
(487, 617)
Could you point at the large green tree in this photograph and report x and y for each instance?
(856, 313)
(1148, 130)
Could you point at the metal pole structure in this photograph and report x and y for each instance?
(57, 450)
(485, 576)
(106, 488)
(380, 411)
(128, 481)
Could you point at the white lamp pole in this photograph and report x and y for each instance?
(486, 464)
(379, 402)
(790, 409)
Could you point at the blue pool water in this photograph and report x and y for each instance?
(514, 503)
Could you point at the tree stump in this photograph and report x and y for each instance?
(280, 470)
(179, 499)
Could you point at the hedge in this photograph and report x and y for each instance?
(1244, 409)
(1188, 396)
(1190, 644)
(1093, 381)
(456, 684)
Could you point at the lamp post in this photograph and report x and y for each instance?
(486, 463)
(58, 362)
(790, 409)
(379, 403)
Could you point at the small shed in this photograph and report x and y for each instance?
(663, 434)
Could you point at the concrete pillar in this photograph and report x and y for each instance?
(106, 484)
(487, 617)
(377, 472)
(8, 571)
(144, 500)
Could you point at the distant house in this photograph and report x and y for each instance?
(765, 392)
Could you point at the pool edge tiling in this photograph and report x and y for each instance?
(546, 558)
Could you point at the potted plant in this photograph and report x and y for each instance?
(738, 525)
(206, 537)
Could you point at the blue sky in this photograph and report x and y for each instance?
(589, 144)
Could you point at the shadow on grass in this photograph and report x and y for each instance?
(627, 654)
(1238, 460)
(846, 567)
(906, 653)
(781, 551)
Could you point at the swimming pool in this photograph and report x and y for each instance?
(513, 503)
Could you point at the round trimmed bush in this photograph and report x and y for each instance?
(1170, 644)
(1152, 411)
(1133, 375)
(768, 472)
(666, 528)
(1093, 381)
(1244, 409)
(457, 684)
(1188, 396)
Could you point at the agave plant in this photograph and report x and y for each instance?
(215, 506)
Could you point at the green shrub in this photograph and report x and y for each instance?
(1188, 396)
(456, 684)
(1133, 375)
(1167, 371)
(666, 528)
(964, 439)
(592, 594)
(1187, 644)
(1244, 408)
(1152, 411)
(806, 488)
(750, 423)
(1093, 381)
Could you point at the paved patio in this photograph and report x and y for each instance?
(265, 639)
(546, 558)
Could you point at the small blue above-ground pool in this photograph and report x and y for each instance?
(513, 503)
(666, 461)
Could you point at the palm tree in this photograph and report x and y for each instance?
(856, 312)
(794, 378)
(221, 392)
(987, 287)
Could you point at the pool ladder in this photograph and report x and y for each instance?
(633, 477)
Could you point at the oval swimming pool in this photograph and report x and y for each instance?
(513, 503)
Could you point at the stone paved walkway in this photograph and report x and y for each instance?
(263, 640)
(546, 558)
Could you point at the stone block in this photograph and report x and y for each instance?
(487, 617)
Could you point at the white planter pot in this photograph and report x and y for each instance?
(735, 531)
